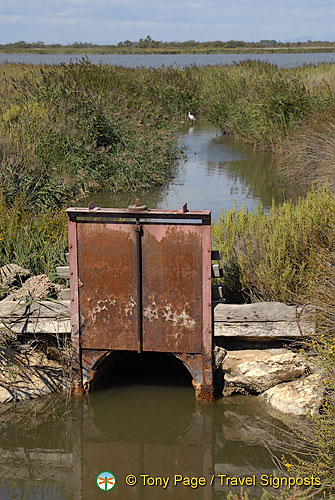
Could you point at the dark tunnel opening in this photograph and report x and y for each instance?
(121, 368)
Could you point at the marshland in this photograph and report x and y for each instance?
(70, 130)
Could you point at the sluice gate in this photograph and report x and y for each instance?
(140, 281)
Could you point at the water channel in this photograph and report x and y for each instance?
(148, 421)
(215, 172)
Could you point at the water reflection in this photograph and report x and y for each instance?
(54, 450)
(215, 172)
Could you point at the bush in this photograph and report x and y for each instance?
(37, 242)
(273, 256)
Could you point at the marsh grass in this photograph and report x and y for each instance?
(309, 154)
(34, 241)
(260, 102)
(64, 131)
(273, 255)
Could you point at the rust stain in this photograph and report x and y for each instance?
(106, 261)
(172, 288)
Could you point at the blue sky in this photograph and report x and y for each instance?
(111, 21)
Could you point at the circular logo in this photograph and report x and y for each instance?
(106, 481)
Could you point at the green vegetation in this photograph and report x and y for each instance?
(274, 255)
(69, 129)
(289, 111)
(34, 242)
(66, 130)
(149, 46)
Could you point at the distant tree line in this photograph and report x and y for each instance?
(148, 42)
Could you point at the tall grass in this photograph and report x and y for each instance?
(64, 131)
(34, 241)
(273, 256)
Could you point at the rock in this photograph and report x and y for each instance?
(13, 275)
(37, 287)
(299, 397)
(256, 370)
(29, 375)
(219, 354)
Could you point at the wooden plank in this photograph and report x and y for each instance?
(63, 272)
(37, 325)
(217, 292)
(216, 271)
(261, 321)
(262, 330)
(216, 255)
(260, 311)
(249, 331)
(65, 294)
(44, 309)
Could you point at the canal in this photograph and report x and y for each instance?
(216, 171)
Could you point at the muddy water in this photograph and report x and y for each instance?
(53, 450)
(215, 172)
(148, 422)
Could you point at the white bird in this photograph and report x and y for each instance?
(191, 117)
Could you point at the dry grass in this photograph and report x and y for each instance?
(309, 155)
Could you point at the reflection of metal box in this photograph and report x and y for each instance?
(141, 281)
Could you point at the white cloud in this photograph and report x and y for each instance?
(13, 18)
(58, 21)
(194, 5)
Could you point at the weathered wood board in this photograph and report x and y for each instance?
(262, 321)
(259, 311)
(63, 272)
(39, 317)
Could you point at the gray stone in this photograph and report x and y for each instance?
(300, 397)
(12, 275)
(219, 355)
(256, 370)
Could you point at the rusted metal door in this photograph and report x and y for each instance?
(107, 285)
(141, 280)
(172, 288)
